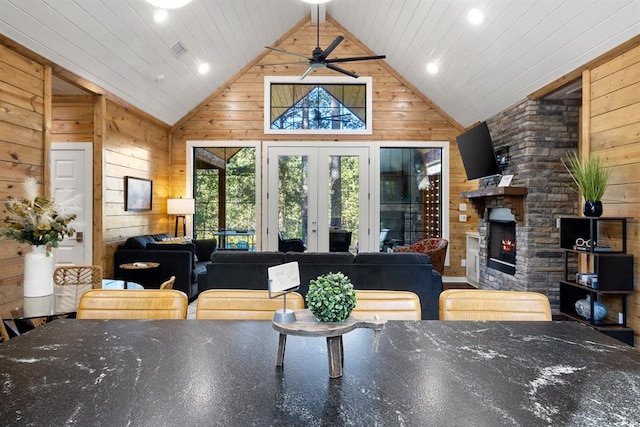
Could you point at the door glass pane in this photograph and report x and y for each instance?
(410, 195)
(224, 186)
(293, 196)
(344, 207)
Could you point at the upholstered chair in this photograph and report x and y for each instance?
(436, 248)
(387, 305)
(488, 304)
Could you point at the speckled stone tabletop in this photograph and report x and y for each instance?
(425, 373)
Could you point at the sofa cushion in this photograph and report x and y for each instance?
(139, 242)
(392, 258)
(240, 257)
(319, 257)
(161, 237)
(163, 246)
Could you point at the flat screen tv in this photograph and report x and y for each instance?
(478, 155)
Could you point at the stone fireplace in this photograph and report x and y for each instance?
(521, 251)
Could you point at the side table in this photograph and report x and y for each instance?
(132, 267)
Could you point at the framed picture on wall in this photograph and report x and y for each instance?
(137, 194)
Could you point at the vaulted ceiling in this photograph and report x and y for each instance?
(521, 46)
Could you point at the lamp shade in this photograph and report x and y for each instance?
(181, 206)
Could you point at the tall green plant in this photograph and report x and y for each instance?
(591, 174)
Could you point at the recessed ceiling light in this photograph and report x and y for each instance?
(203, 68)
(475, 16)
(168, 4)
(432, 68)
(160, 15)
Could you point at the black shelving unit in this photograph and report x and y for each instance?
(603, 241)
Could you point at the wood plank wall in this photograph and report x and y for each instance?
(129, 143)
(613, 122)
(21, 153)
(399, 113)
(134, 145)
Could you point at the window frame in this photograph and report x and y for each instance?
(367, 81)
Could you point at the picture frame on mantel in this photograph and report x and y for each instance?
(138, 194)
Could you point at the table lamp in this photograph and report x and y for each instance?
(181, 208)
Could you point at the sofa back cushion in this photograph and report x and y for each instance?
(319, 257)
(246, 257)
(392, 258)
(139, 242)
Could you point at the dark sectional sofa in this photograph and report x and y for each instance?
(392, 271)
(185, 260)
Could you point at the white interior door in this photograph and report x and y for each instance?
(72, 177)
(311, 189)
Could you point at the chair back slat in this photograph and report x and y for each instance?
(243, 304)
(387, 305)
(486, 304)
(133, 304)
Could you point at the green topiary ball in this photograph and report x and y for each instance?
(331, 297)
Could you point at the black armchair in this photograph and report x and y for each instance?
(290, 245)
(339, 240)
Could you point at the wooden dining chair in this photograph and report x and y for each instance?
(387, 305)
(243, 304)
(487, 304)
(168, 284)
(4, 335)
(133, 304)
(78, 275)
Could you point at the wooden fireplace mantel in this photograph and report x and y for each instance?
(513, 199)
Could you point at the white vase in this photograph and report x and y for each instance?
(38, 272)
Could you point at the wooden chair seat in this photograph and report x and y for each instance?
(133, 304)
(387, 305)
(486, 304)
(243, 304)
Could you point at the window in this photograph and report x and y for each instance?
(322, 105)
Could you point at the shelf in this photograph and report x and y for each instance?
(601, 326)
(513, 199)
(595, 291)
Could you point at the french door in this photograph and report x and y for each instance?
(314, 190)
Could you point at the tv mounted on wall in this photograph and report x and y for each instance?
(478, 155)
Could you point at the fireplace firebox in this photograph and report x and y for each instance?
(502, 241)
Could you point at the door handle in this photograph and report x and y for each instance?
(79, 236)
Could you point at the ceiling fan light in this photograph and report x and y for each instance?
(475, 16)
(168, 4)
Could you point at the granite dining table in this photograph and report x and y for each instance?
(415, 373)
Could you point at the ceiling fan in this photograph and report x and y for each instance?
(319, 58)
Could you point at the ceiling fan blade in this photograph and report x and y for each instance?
(283, 63)
(355, 58)
(288, 53)
(306, 73)
(334, 44)
(342, 70)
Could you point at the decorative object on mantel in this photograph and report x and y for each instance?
(43, 224)
(591, 174)
(583, 308)
(307, 326)
(513, 198)
(331, 297)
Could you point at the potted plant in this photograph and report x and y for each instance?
(591, 174)
(43, 224)
(331, 297)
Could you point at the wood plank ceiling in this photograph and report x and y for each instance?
(521, 46)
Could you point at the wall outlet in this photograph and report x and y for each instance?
(462, 207)
(462, 218)
(463, 262)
